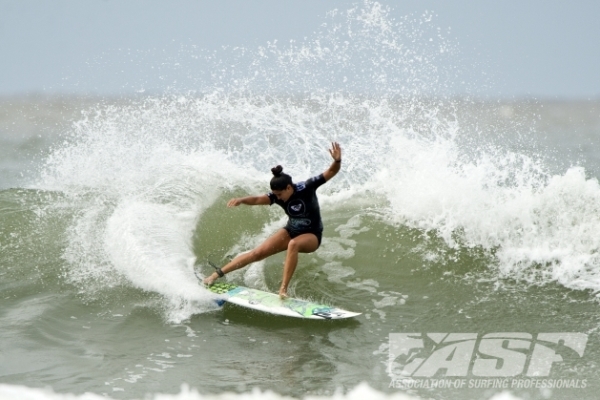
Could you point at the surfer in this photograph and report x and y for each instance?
(303, 231)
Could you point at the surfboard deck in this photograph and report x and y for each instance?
(271, 303)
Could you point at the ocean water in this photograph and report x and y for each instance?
(464, 230)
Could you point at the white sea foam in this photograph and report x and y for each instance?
(138, 196)
(360, 392)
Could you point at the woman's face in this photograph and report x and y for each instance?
(284, 195)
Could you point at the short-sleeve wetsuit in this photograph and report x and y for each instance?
(302, 208)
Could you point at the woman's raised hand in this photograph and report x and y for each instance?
(335, 151)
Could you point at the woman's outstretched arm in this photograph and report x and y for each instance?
(262, 200)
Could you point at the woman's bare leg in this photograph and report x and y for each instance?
(305, 243)
(273, 245)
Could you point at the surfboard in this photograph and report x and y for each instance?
(271, 303)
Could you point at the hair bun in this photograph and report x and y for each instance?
(277, 170)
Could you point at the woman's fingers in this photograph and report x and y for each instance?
(335, 150)
(232, 203)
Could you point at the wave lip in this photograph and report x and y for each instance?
(538, 227)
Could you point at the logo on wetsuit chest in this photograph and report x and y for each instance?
(296, 207)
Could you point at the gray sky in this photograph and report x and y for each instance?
(533, 48)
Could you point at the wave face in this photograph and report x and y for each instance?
(144, 171)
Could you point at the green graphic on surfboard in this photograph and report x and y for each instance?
(272, 303)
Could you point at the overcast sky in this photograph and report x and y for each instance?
(526, 48)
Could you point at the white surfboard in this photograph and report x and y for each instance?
(271, 303)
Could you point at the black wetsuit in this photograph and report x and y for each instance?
(302, 208)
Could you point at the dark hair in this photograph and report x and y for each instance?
(280, 181)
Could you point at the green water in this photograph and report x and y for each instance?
(55, 337)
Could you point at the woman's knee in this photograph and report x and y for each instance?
(303, 244)
(294, 246)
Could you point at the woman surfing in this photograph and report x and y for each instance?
(303, 231)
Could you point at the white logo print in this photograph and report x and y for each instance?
(297, 207)
(504, 354)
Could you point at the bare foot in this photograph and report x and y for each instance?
(283, 294)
